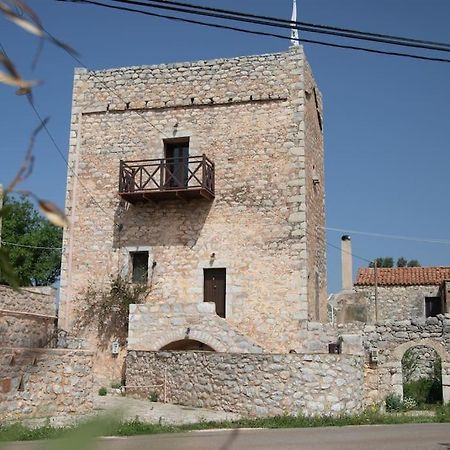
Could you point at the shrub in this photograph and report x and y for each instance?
(424, 390)
(116, 385)
(393, 403)
(409, 403)
(153, 397)
(102, 391)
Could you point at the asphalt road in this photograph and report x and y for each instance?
(375, 437)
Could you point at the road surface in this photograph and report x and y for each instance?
(374, 437)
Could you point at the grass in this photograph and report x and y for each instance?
(113, 427)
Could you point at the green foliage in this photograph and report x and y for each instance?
(102, 391)
(393, 403)
(22, 224)
(153, 397)
(116, 385)
(388, 262)
(109, 308)
(424, 390)
(383, 262)
(413, 263)
(110, 426)
(410, 362)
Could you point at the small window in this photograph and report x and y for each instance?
(139, 263)
(433, 306)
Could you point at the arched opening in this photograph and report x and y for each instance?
(185, 345)
(422, 375)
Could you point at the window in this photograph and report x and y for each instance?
(433, 306)
(139, 264)
(177, 162)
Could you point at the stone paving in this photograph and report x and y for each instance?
(153, 412)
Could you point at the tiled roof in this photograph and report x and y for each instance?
(403, 276)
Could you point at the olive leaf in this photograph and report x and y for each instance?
(32, 25)
(53, 213)
(12, 76)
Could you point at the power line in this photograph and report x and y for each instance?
(31, 246)
(262, 33)
(297, 24)
(280, 23)
(391, 236)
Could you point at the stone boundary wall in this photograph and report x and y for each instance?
(251, 384)
(152, 326)
(27, 317)
(44, 383)
(391, 339)
(33, 300)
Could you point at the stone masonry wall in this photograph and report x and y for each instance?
(398, 302)
(313, 184)
(44, 383)
(253, 385)
(27, 317)
(248, 116)
(391, 339)
(151, 327)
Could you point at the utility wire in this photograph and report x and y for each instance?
(297, 24)
(261, 33)
(278, 23)
(31, 246)
(391, 236)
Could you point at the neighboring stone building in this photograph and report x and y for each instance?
(206, 181)
(404, 292)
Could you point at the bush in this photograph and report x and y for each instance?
(153, 397)
(393, 403)
(409, 403)
(102, 391)
(116, 385)
(424, 391)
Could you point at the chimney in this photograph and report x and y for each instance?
(346, 263)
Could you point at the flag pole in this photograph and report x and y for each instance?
(294, 30)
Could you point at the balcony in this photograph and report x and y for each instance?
(164, 179)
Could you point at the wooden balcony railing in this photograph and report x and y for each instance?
(168, 178)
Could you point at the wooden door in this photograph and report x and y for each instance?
(215, 288)
(177, 164)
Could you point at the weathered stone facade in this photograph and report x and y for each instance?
(154, 326)
(44, 383)
(259, 119)
(27, 317)
(390, 340)
(397, 302)
(251, 384)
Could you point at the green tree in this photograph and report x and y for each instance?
(388, 262)
(25, 227)
(383, 262)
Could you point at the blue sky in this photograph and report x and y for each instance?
(387, 120)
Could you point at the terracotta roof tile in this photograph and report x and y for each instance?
(403, 276)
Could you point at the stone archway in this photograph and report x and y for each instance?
(193, 335)
(396, 365)
(186, 345)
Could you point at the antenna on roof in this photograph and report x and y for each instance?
(294, 30)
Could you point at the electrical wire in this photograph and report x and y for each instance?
(391, 236)
(298, 24)
(261, 33)
(30, 246)
(278, 23)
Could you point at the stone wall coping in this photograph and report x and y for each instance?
(32, 290)
(263, 355)
(202, 62)
(8, 312)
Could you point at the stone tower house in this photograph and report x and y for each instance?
(204, 180)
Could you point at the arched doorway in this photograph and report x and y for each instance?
(422, 375)
(184, 345)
